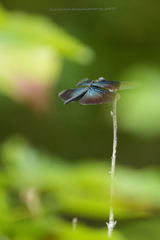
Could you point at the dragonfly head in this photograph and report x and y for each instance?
(101, 79)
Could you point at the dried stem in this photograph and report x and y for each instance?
(112, 223)
(74, 225)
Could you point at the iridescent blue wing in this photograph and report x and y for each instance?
(115, 85)
(72, 95)
(95, 96)
(84, 82)
(102, 83)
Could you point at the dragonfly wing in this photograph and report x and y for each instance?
(97, 96)
(129, 84)
(102, 83)
(84, 82)
(72, 95)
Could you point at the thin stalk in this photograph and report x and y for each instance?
(74, 225)
(112, 223)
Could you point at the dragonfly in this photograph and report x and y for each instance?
(96, 91)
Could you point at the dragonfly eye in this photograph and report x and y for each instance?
(101, 79)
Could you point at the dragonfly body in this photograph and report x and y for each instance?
(96, 91)
(101, 82)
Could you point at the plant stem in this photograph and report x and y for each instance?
(112, 223)
(74, 225)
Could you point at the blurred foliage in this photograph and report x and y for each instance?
(140, 114)
(32, 48)
(33, 43)
(40, 195)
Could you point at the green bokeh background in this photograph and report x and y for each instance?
(52, 50)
